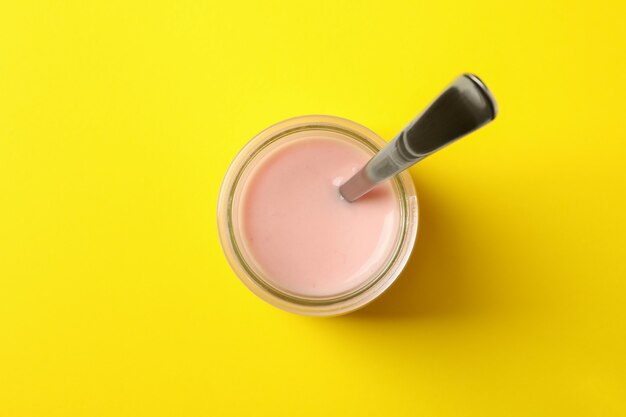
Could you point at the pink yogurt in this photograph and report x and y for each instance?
(302, 236)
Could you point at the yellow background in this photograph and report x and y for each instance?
(118, 120)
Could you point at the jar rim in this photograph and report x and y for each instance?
(329, 305)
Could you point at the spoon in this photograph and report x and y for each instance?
(464, 106)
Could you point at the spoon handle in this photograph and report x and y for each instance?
(464, 106)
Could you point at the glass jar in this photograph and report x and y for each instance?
(228, 215)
